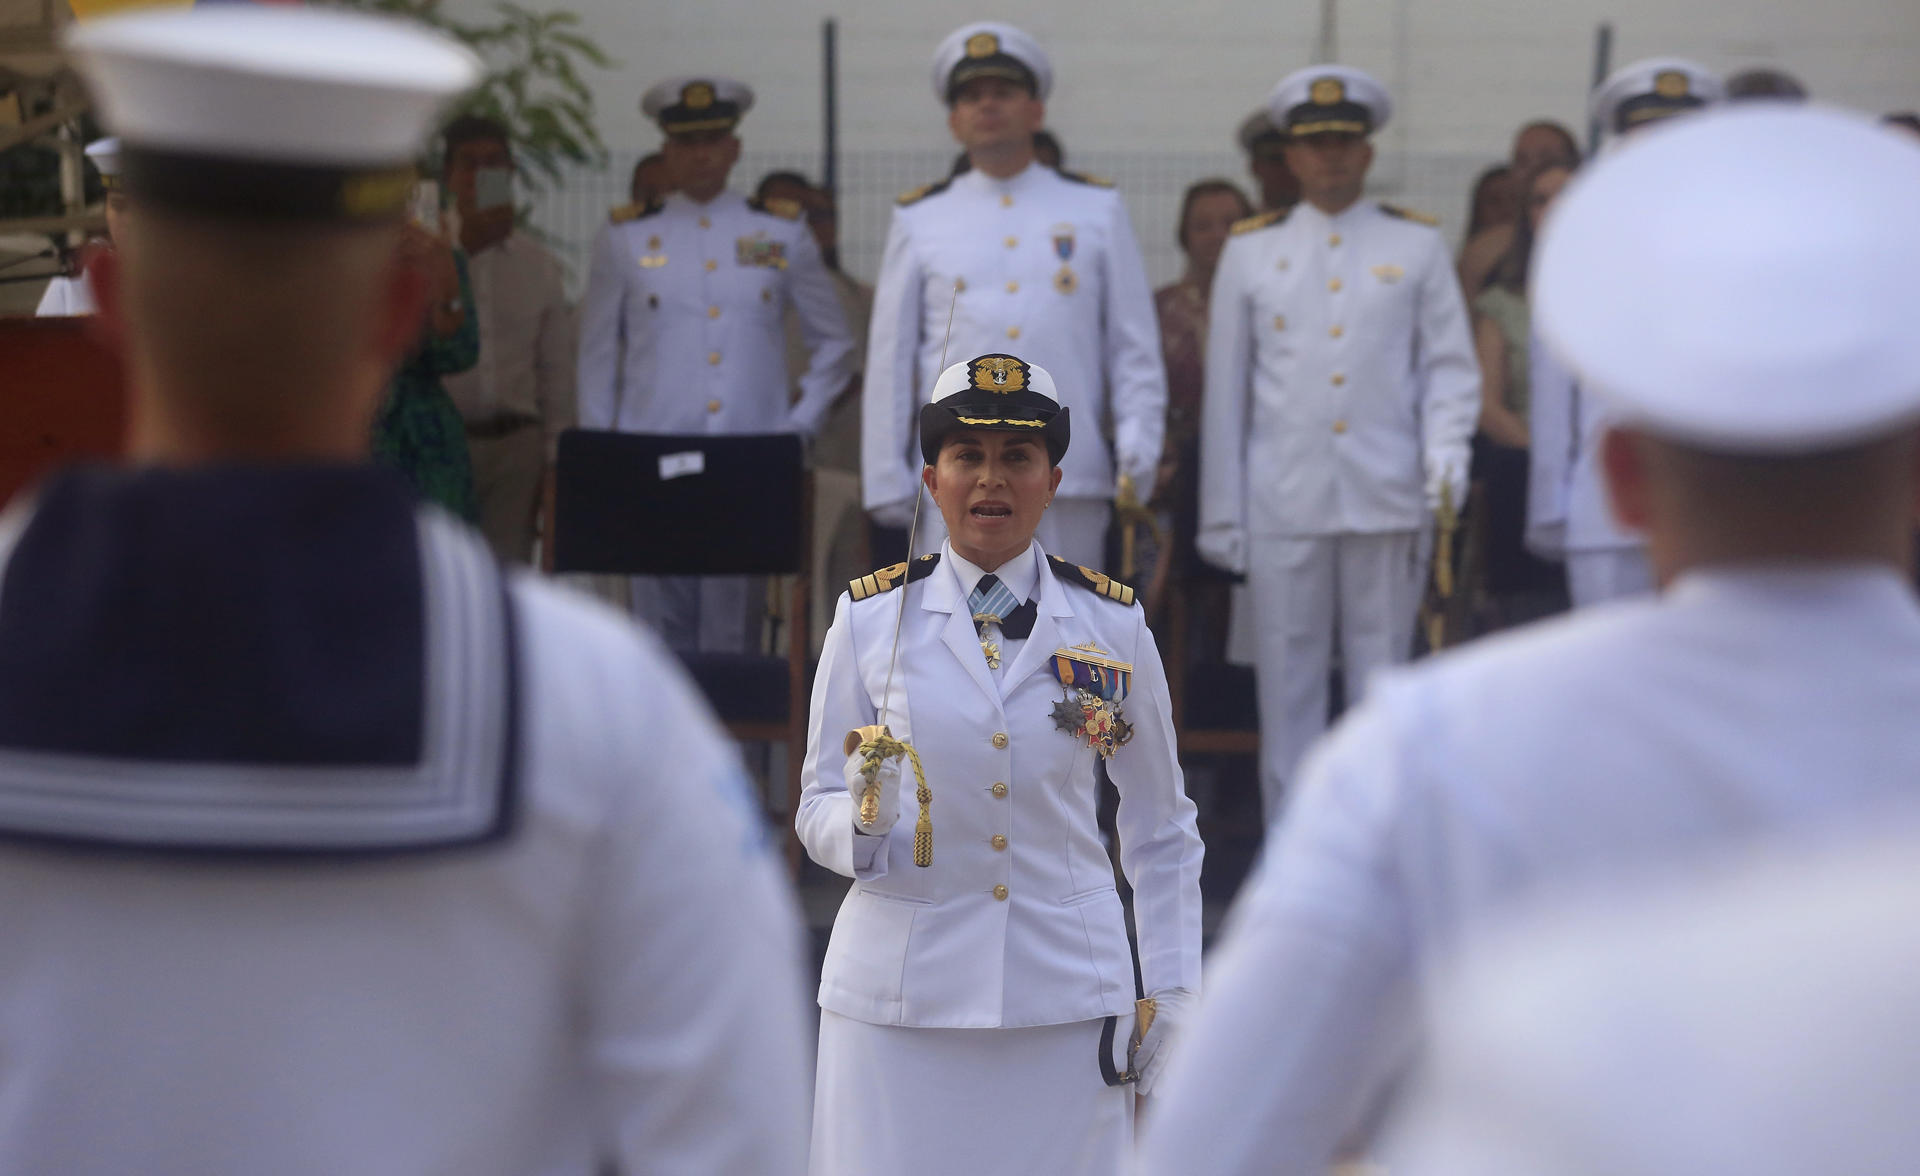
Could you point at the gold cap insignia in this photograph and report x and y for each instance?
(1671, 83)
(999, 373)
(983, 45)
(1328, 91)
(697, 95)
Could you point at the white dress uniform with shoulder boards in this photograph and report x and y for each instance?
(1045, 264)
(964, 996)
(1748, 703)
(65, 297)
(325, 847)
(1568, 517)
(683, 330)
(1341, 396)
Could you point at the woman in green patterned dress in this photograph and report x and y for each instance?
(418, 431)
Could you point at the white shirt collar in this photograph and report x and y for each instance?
(1021, 179)
(1019, 574)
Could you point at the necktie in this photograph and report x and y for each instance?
(994, 607)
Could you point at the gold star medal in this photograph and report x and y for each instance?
(1066, 281)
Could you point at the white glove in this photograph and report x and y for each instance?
(1223, 546)
(1448, 475)
(893, 514)
(1172, 1008)
(889, 811)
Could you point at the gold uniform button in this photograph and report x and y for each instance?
(1339, 379)
(1000, 739)
(1336, 332)
(713, 406)
(1013, 287)
(712, 265)
(1339, 426)
(999, 841)
(713, 357)
(1279, 322)
(707, 224)
(999, 791)
(1334, 240)
(1334, 285)
(1012, 242)
(1000, 893)
(1013, 332)
(713, 312)
(1006, 201)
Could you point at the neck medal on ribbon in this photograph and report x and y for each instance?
(1093, 686)
(1066, 281)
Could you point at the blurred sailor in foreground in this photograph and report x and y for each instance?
(1762, 365)
(1342, 392)
(74, 295)
(683, 328)
(977, 1000)
(1763, 1019)
(1567, 513)
(327, 846)
(1022, 258)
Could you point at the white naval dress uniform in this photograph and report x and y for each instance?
(618, 976)
(682, 330)
(67, 296)
(962, 1002)
(1048, 267)
(1342, 390)
(1570, 756)
(1568, 517)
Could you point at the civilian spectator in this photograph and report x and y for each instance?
(1537, 144)
(418, 431)
(1048, 151)
(651, 180)
(1496, 200)
(1266, 148)
(520, 396)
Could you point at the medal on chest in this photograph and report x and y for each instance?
(1093, 685)
(1066, 281)
(653, 258)
(760, 252)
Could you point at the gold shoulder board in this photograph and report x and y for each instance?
(784, 209)
(1414, 215)
(1259, 221)
(1099, 583)
(889, 578)
(632, 212)
(921, 193)
(1085, 178)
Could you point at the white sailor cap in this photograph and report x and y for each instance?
(1258, 128)
(1742, 280)
(697, 105)
(105, 154)
(1329, 100)
(1650, 90)
(257, 111)
(990, 49)
(995, 393)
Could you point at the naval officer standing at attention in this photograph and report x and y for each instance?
(74, 295)
(1342, 392)
(683, 326)
(978, 998)
(1045, 263)
(327, 846)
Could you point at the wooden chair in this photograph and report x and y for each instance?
(666, 505)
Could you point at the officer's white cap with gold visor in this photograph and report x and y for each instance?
(990, 49)
(1329, 100)
(269, 112)
(1742, 280)
(995, 393)
(697, 105)
(104, 154)
(1648, 91)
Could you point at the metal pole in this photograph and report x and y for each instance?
(1602, 66)
(830, 106)
(1327, 48)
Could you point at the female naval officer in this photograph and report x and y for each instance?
(978, 1008)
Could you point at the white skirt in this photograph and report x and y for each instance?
(893, 1100)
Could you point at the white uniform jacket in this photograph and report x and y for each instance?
(1049, 270)
(683, 328)
(67, 296)
(1567, 507)
(1741, 708)
(1016, 922)
(1341, 380)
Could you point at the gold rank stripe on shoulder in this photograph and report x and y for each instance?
(1259, 221)
(1411, 214)
(889, 578)
(1098, 583)
(775, 206)
(915, 195)
(632, 212)
(1084, 178)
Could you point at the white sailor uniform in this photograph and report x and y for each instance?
(67, 296)
(962, 1003)
(1342, 392)
(683, 330)
(1046, 264)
